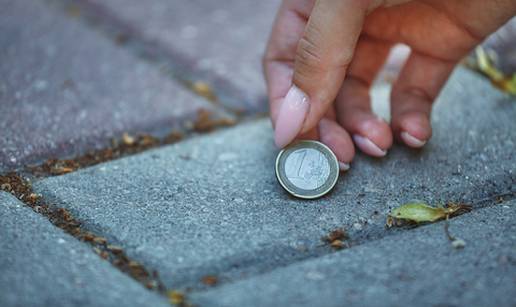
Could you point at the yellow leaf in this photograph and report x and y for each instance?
(203, 89)
(485, 65)
(176, 297)
(421, 213)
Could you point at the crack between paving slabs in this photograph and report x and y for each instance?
(63, 219)
(127, 145)
(21, 188)
(347, 240)
(154, 53)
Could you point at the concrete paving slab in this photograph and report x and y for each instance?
(40, 265)
(64, 88)
(418, 267)
(212, 205)
(221, 43)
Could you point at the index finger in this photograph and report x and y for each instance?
(278, 61)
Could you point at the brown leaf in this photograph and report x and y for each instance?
(210, 280)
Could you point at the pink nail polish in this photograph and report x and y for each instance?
(411, 140)
(291, 116)
(367, 146)
(343, 166)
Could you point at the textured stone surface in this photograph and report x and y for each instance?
(212, 205)
(418, 267)
(65, 88)
(42, 266)
(220, 42)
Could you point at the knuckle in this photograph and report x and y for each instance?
(313, 58)
(309, 56)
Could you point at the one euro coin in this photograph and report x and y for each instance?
(307, 169)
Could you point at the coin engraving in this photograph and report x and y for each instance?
(307, 168)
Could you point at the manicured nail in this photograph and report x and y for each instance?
(367, 146)
(343, 166)
(411, 140)
(291, 116)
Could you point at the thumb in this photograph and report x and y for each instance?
(322, 57)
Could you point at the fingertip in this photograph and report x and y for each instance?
(291, 116)
(368, 146)
(344, 166)
(411, 140)
(338, 140)
(414, 129)
(377, 130)
(371, 134)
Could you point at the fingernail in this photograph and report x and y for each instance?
(411, 140)
(291, 116)
(367, 146)
(343, 166)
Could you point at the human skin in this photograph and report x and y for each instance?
(323, 55)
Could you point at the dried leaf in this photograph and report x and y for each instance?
(176, 297)
(204, 89)
(485, 64)
(336, 238)
(337, 244)
(128, 139)
(100, 240)
(337, 234)
(421, 213)
(115, 249)
(210, 280)
(206, 122)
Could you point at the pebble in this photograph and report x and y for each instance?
(458, 243)
(357, 226)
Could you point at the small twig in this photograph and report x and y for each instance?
(446, 229)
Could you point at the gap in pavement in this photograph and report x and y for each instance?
(482, 194)
(39, 139)
(206, 121)
(128, 144)
(21, 188)
(501, 189)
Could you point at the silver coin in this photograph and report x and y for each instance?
(307, 169)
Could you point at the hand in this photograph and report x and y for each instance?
(323, 56)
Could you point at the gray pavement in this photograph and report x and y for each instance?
(221, 44)
(65, 89)
(211, 205)
(40, 265)
(414, 268)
